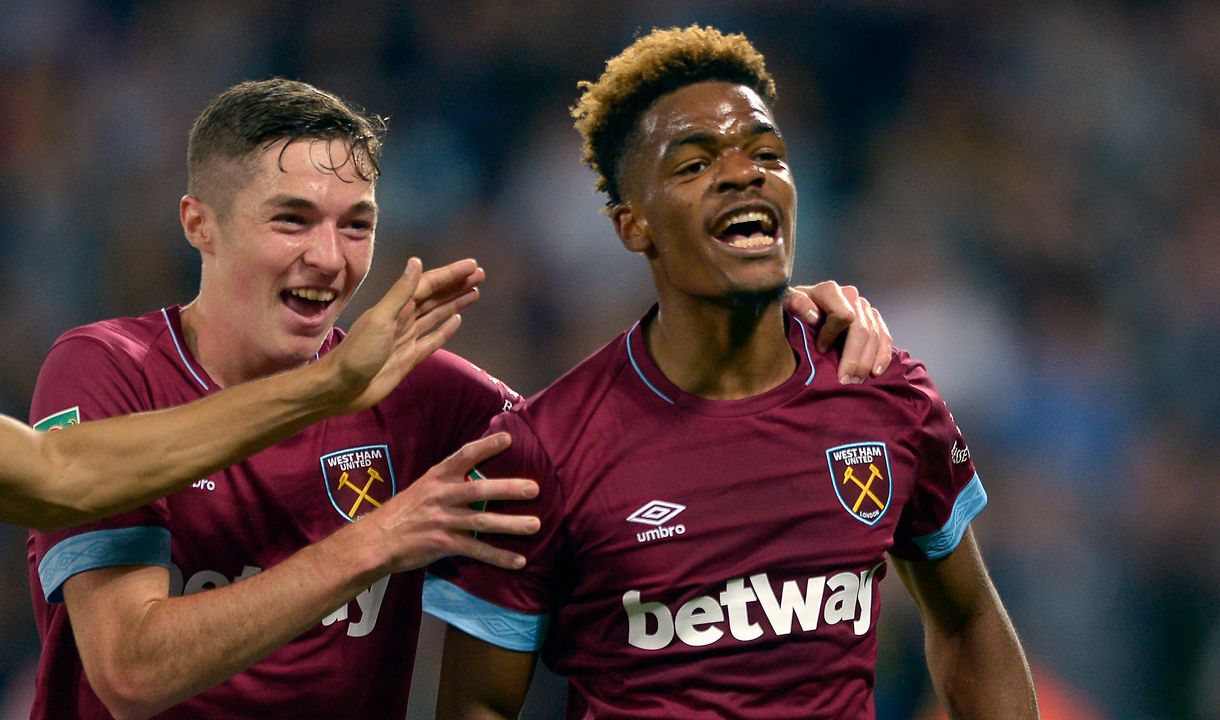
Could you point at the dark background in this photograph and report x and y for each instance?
(1030, 192)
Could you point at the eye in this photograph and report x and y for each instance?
(693, 167)
(361, 226)
(289, 219)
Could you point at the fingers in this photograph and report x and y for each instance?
(839, 304)
(860, 348)
(472, 453)
(433, 341)
(404, 288)
(425, 321)
(868, 346)
(798, 302)
(468, 546)
(885, 345)
(442, 284)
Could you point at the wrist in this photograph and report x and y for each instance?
(329, 387)
(360, 551)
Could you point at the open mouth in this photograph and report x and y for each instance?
(309, 302)
(746, 229)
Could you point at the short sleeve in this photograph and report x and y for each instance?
(84, 379)
(948, 493)
(507, 608)
(458, 396)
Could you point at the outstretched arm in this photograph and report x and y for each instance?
(480, 681)
(977, 665)
(62, 478)
(144, 651)
(867, 348)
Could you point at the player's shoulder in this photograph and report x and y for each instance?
(444, 371)
(906, 381)
(131, 337)
(557, 413)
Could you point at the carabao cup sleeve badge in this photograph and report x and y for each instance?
(359, 480)
(861, 476)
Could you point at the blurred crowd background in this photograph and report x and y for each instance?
(1030, 192)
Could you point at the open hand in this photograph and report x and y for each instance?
(433, 519)
(414, 318)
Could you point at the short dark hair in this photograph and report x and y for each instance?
(250, 117)
(652, 66)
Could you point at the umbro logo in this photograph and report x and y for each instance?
(655, 513)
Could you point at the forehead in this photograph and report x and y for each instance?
(721, 108)
(311, 167)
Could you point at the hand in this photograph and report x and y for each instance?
(432, 518)
(868, 347)
(392, 337)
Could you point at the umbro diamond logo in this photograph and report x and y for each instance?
(656, 513)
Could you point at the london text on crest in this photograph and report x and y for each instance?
(861, 476)
(358, 480)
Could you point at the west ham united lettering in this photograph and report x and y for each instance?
(861, 476)
(359, 480)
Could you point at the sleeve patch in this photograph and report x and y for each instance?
(969, 503)
(101, 549)
(486, 621)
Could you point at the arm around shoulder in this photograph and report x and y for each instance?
(978, 667)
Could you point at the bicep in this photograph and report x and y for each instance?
(951, 590)
(480, 681)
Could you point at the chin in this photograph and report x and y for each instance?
(756, 299)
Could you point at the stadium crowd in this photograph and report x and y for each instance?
(1028, 192)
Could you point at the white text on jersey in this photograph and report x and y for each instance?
(696, 623)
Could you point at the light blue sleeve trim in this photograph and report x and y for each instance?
(486, 621)
(969, 503)
(101, 549)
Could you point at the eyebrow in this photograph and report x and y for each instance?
(289, 202)
(703, 137)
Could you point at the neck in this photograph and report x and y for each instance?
(221, 352)
(719, 349)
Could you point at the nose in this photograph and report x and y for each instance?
(325, 251)
(738, 171)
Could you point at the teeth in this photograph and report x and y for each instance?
(747, 216)
(753, 241)
(312, 294)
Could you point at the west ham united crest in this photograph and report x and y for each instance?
(861, 476)
(359, 480)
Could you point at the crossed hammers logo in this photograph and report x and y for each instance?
(362, 494)
(865, 487)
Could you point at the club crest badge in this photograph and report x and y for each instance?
(861, 476)
(359, 480)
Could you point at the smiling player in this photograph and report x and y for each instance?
(305, 548)
(716, 508)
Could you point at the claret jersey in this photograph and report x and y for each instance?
(357, 662)
(715, 559)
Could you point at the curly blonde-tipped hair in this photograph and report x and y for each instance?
(652, 66)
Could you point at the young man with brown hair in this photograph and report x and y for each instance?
(716, 508)
(282, 211)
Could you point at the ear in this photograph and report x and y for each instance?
(198, 223)
(632, 228)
